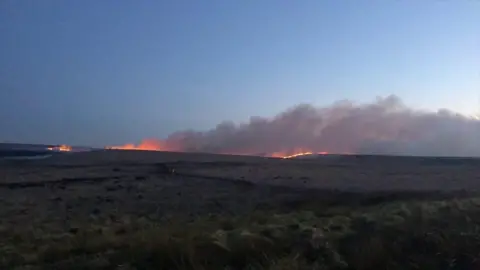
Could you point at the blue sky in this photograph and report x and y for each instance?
(115, 71)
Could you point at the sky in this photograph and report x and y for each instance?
(116, 71)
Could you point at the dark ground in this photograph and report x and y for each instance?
(131, 213)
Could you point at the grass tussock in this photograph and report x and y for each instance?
(400, 235)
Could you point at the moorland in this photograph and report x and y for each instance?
(158, 210)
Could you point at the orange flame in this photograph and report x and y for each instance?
(157, 145)
(305, 154)
(61, 148)
(146, 145)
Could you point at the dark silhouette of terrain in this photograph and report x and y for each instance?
(164, 210)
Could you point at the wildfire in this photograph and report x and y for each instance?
(146, 145)
(297, 152)
(130, 147)
(157, 145)
(304, 154)
(61, 148)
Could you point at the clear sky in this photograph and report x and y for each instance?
(115, 71)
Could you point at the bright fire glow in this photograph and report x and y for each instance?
(156, 145)
(61, 148)
(304, 154)
(296, 153)
(146, 145)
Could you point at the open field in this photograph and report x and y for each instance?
(127, 210)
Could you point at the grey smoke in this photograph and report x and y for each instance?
(385, 126)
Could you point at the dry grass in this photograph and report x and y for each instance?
(126, 215)
(413, 235)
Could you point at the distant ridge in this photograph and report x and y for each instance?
(22, 146)
(31, 151)
(23, 153)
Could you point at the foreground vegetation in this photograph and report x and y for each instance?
(400, 234)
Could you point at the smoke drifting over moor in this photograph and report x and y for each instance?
(386, 126)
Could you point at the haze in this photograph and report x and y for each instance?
(101, 73)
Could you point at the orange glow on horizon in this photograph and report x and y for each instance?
(146, 145)
(157, 145)
(305, 154)
(61, 148)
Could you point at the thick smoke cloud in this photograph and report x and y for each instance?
(386, 126)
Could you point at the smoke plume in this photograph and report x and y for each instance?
(386, 126)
